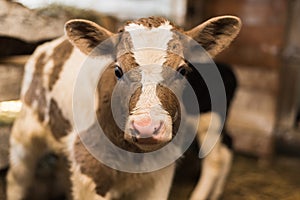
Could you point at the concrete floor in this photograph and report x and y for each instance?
(247, 181)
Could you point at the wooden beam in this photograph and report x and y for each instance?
(19, 60)
(11, 76)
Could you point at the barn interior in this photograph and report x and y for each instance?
(264, 118)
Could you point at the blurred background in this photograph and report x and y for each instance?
(264, 119)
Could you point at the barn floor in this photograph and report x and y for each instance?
(247, 181)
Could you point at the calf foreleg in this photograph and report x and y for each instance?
(33, 155)
(215, 166)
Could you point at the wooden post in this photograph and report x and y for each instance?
(288, 137)
(11, 76)
(194, 13)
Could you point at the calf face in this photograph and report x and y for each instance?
(148, 57)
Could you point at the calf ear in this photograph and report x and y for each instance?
(216, 34)
(86, 35)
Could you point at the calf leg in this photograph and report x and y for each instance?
(33, 155)
(215, 167)
(154, 185)
(83, 186)
(19, 174)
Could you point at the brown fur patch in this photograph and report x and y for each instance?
(168, 100)
(210, 35)
(134, 98)
(60, 55)
(150, 22)
(104, 112)
(127, 62)
(170, 104)
(101, 175)
(125, 44)
(175, 46)
(87, 35)
(216, 34)
(173, 61)
(125, 56)
(36, 92)
(174, 58)
(174, 51)
(59, 125)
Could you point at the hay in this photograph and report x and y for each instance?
(249, 181)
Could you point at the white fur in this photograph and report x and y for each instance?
(48, 70)
(88, 70)
(46, 48)
(28, 74)
(149, 49)
(215, 169)
(148, 186)
(217, 161)
(145, 37)
(85, 188)
(64, 88)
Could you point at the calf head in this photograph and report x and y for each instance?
(144, 53)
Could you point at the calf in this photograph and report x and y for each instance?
(135, 103)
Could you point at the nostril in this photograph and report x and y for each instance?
(157, 129)
(134, 131)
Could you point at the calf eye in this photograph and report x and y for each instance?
(118, 72)
(182, 70)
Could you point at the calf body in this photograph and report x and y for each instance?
(150, 113)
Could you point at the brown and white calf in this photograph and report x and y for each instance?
(45, 134)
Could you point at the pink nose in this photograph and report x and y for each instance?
(146, 127)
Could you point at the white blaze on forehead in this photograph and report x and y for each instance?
(150, 37)
(151, 74)
(148, 101)
(150, 46)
